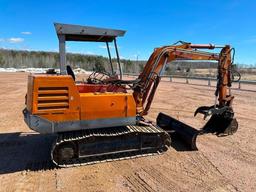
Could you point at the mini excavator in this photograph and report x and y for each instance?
(102, 119)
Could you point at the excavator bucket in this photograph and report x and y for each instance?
(222, 121)
(220, 126)
(185, 132)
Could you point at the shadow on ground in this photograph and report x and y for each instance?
(25, 151)
(31, 151)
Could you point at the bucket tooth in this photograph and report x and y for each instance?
(185, 132)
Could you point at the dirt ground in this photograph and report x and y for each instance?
(221, 164)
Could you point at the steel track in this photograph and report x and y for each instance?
(160, 143)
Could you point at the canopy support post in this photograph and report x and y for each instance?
(110, 60)
(118, 60)
(62, 51)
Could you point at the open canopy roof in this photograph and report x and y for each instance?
(67, 32)
(86, 33)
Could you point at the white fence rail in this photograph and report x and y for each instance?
(209, 81)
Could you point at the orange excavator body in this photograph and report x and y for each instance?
(104, 118)
(58, 98)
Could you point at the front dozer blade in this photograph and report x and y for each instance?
(185, 132)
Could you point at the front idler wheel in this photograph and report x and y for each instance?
(66, 151)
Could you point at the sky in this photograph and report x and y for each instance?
(28, 25)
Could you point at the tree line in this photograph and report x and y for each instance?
(42, 59)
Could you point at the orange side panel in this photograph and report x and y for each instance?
(107, 105)
(62, 116)
(55, 97)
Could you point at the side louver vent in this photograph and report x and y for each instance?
(52, 98)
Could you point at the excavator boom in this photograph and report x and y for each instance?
(164, 55)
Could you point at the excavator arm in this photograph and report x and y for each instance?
(150, 76)
(222, 121)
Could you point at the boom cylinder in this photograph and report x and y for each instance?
(206, 46)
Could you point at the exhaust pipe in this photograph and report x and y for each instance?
(185, 132)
